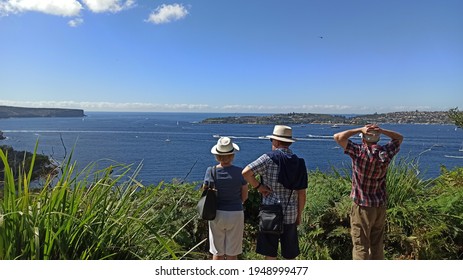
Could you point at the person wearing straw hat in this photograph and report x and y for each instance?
(283, 180)
(226, 230)
(369, 169)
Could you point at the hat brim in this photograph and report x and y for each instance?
(282, 139)
(214, 150)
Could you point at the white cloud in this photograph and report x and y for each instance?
(110, 106)
(167, 13)
(75, 22)
(114, 6)
(72, 8)
(66, 8)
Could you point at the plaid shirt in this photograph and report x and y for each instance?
(369, 168)
(268, 171)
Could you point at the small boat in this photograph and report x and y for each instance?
(335, 126)
(451, 156)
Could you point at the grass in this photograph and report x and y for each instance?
(108, 214)
(88, 215)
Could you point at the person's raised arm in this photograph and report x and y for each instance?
(392, 134)
(248, 175)
(342, 137)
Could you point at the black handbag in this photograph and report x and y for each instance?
(207, 204)
(271, 219)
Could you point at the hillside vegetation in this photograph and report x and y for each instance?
(415, 117)
(22, 112)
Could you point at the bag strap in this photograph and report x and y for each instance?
(289, 197)
(214, 175)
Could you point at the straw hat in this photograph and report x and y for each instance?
(282, 133)
(224, 146)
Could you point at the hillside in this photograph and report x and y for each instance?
(22, 112)
(415, 117)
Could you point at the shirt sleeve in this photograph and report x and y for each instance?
(392, 148)
(207, 176)
(259, 165)
(352, 149)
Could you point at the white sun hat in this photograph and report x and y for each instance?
(224, 146)
(282, 133)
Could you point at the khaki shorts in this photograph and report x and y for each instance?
(226, 233)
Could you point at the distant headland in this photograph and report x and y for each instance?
(410, 117)
(22, 112)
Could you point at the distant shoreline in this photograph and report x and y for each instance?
(23, 112)
(406, 117)
(410, 117)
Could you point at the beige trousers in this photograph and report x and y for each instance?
(367, 231)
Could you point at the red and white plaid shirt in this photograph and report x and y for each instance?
(369, 168)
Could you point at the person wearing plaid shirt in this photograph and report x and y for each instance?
(273, 192)
(369, 168)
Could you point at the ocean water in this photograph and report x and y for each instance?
(177, 146)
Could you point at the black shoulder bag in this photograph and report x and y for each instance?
(207, 204)
(271, 217)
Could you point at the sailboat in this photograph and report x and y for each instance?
(461, 147)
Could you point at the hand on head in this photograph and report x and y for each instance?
(370, 129)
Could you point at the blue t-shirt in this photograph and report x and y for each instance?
(228, 183)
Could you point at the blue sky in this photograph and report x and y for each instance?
(324, 56)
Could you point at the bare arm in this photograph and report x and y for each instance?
(342, 137)
(249, 176)
(244, 193)
(392, 134)
(302, 196)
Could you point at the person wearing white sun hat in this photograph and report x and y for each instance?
(227, 229)
(283, 178)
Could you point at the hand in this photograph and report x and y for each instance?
(367, 129)
(264, 190)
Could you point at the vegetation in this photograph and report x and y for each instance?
(456, 116)
(107, 214)
(42, 166)
(426, 117)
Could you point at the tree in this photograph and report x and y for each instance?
(456, 116)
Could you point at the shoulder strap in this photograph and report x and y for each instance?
(214, 175)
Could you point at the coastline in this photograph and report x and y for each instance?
(410, 117)
(23, 112)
